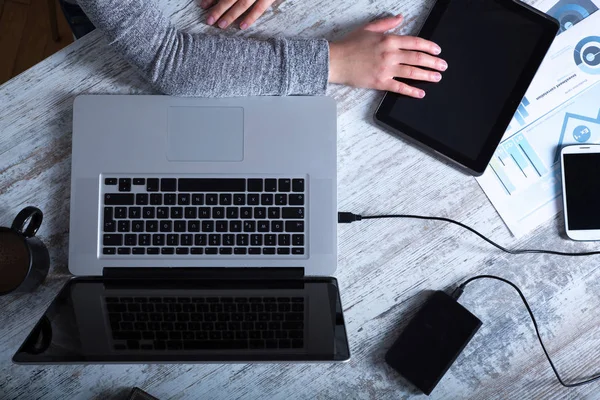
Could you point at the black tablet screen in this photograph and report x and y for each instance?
(493, 48)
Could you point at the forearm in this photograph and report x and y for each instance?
(184, 64)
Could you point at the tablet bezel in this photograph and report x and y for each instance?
(478, 165)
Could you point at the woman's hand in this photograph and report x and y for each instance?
(368, 58)
(225, 12)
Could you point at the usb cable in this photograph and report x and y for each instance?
(347, 217)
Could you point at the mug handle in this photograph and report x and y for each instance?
(35, 217)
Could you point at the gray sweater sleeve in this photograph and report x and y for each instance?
(185, 64)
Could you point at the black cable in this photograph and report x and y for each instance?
(458, 291)
(346, 217)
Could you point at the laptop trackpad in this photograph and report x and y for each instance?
(206, 134)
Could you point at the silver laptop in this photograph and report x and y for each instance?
(201, 231)
(159, 181)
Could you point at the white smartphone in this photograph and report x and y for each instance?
(581, 191)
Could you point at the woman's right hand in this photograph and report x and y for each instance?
(368, 58)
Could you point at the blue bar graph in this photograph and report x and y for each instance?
(531, 154)
(511, 147)
(519, 119)
(498, 169)
(523, 111)
(525, 102)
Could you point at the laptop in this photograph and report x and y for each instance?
(201, 230)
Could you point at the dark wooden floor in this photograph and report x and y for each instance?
(25, 35)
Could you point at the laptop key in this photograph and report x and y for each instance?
(130, 240)
(225, 250)
(176, 212)
(249, 226)
(110, 181)
(198, 199)
(298, 185)
(225, 199)
(152, 250)
(253, 199)
(263, 226)
(255, 185)
(156, 199)
(235, 226)
(162, 212)
(158, 239)
(283, 251)
(274, 212)
(168, 185)
(148, 212)
(292, 213)
(124, 184)
(269, 250)
(118, 199)
(294, 226)
(297, 240)
(170, 199)
(283, 239)
(208, 226)
(211, 250)
(200, 240)
(285, 185)
(214, 240)
(113, 239)
(110, 226)
(109, 250)
(179, 226)
(271, 344)
(123, 226)
(186, 239)
(152, 185)
(196, 250)
(242, 240)
(228, 240)
(281, 199)
(193, 226)
(256, 240)
(297, 251)
(239, 251)
(183, 199)
(120, 212)
(167, 250)
(260, 213)
(212, 199)
(190, 212)
(218, 212)
(270, 185)
(172, 240)
(166, 226)
(135, 212)
(239, 199)
(297, 343)
(232, 212)
(254, 251)
(270, 240)
(151, 226)
(141, 199)
(266, 199)
(139, 181)
(296, 199)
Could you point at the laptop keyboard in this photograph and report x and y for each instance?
(193, 217)
(206, 323)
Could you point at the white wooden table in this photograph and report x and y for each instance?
(385, 268)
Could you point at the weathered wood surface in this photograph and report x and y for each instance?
(385, 268)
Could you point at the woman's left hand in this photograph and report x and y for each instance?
(225, 12)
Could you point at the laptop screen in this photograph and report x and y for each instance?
(110, 320)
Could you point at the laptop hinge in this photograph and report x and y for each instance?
(203, 273)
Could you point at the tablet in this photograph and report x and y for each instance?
(493, 49)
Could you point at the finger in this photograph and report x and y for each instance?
(417, 74)
(207, 3)
(384, 24)
(420, 59)
(258, 10)
(402, 88)
(218, 10)
(234, 12)
(413, 43)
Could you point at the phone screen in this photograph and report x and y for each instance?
(582, 190)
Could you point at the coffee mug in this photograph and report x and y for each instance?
(24, 260)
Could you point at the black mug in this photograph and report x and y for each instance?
(24, 260)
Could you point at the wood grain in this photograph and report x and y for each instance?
(385, 268)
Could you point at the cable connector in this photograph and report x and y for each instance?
(458, 292)
(347, 217)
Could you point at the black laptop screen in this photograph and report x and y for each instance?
(105, 320)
